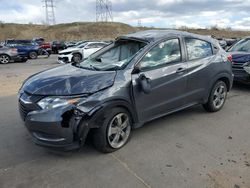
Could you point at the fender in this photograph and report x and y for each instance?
(217, 77)
(99, 112)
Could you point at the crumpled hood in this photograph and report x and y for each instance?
(68, 80)
(240, 56)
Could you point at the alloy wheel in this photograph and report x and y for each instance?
(77, 58)
(219, 96)
(4, 59)
(119, 130)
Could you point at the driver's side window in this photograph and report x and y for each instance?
(164, 53)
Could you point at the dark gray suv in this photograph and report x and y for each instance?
(138, 78)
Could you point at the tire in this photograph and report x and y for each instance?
(76, 58)
(111, 136)
(33, 55)
(217, 97)
(4, 59)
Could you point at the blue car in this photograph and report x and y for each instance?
(26, 48)
(240, 52)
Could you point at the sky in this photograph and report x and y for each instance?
(233, 14)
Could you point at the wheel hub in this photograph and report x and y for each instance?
(119, 130)
(219, 96)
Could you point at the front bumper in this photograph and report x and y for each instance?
(62, 59)
(241, 76)
(57, 129)
(51, 135)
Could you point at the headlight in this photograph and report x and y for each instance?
(53, 102)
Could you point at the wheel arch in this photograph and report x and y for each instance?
(104, 108)
(5, 54)
(225, 77)
(77, 53)
(227, 82)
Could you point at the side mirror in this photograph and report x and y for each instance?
(144, 84)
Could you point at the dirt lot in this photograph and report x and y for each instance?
(192, 148)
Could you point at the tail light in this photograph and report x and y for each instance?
(230, 58)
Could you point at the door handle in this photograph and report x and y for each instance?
(180, 70)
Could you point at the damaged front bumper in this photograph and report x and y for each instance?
(63, 129)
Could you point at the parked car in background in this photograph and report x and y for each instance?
(26, 48)
(57, 46)
(78, 53)
(240, 52)
(136, 79)
(8, 55)
(225, 43)
(44, 46)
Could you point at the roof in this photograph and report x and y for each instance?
(155, 35)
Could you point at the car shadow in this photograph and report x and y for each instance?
(241, 87)
(154, 125)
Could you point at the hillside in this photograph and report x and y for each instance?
(89, 30)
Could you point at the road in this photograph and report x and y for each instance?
(191, 148)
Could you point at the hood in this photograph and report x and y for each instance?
(240, 56)
(68, 80)
(70, 50)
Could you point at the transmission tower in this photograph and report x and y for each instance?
(104, 11)
(50, 12)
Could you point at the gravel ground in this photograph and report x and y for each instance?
(191, 148)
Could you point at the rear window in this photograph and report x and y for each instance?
(198, 49)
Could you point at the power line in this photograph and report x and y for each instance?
(50, 12)
(104, 11)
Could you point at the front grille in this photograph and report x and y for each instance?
(25, 108)
(238, 66)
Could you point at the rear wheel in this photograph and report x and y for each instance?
(33, 55)
(217, 97)
(4, 59)
(114, 132)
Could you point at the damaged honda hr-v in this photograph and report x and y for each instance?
(138, 78)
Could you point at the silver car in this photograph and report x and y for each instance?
(8, 55)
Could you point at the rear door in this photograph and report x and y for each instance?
(163, 65)
(200, 56)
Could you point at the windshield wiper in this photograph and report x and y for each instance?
(94, 68)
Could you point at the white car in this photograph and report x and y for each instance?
(77, 53)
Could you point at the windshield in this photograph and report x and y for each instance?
(242, 46)
(114, 58)
(81, 45)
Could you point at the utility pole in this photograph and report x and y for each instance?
(104, 11)
(50, 12)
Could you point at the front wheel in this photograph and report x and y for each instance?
(115, 131)
(4, 59)
(77, 58)
(217, 97)
(33, 55)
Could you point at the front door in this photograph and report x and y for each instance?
(165, 71)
